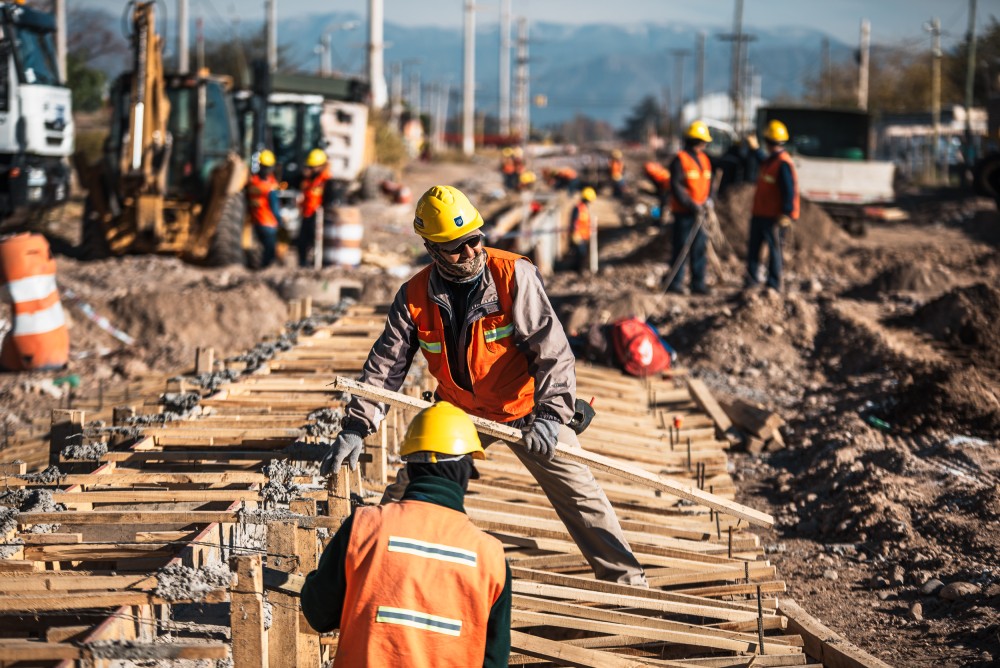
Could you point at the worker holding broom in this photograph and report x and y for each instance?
(416, 583)
(690, 188)
(492, 340)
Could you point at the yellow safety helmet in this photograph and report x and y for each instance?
(698, 130)
(507, 152)
(444, 214)
(588, 194)
(527, 178)
(776, 132)
(616, 154)
(442, 429)
(316, 158)
(266, 158)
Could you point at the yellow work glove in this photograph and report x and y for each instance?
(752, 142)
(784, 221)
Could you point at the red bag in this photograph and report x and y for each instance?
(638, 348)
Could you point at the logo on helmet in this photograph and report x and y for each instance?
(419, 223)
(459, 221)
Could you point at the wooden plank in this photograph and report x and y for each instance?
(147, 517)
(67, 581)
(32, 650)
(617, 468)
(282, 644)
(249, 638)
(752, 419)
(704, 398)
(823, 643)
(567, 655)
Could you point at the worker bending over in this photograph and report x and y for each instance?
(317, 193)
(581, 227)
(265, 209)
(690, 187)
(616, 172)
(508, 169)
(775, 205)
(415, 583)
(492, 340)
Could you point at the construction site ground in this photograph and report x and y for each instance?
(882, 356)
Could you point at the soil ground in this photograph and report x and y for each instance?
(882, 354)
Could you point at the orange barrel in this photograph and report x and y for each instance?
(342, 234)
(39, 338)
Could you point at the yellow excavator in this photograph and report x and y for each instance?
(171, 178)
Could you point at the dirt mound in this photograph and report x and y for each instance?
(962, 401)
(813, 231)
(966, 316)
(914, 277)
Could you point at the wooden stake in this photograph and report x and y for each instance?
(204, 360)
(246, 615)
(283, 636)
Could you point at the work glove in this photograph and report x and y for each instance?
(540, 438)
(752, 142)
(784, 221)
(348, 446)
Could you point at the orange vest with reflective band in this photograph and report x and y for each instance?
(39, 338)
(312, 193)
(698, 175)
(421, 580)
(503, 388)
(259, 192)
(507, 166)
(659, 174)
(581, 226)
(617, 169)
(767, 201)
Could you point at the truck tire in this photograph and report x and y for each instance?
(227, 245)
(93, 243)
(986, 177)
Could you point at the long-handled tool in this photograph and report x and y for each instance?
(624, 470)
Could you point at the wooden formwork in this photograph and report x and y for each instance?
(190, 491)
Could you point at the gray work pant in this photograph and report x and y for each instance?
(581, 505)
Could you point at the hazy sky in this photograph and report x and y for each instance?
(892, 20)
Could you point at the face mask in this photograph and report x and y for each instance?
(461, 272)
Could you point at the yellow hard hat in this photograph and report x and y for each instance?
(442, 429)
(527, 178)
(507, 152)
(518, 152)
(698, 130)
(776, 132)
(316, 158)
(588, 194)
(266, 158)
(444, 214)
(616, 154)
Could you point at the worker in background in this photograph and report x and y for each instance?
(690, 190)
(265, 209)
(493, 342)
(562, 178)
(616, 172)
(580, 226)
(508, 169)
(317, 193)
(775, 205)
(517, 155)
(415, 582)
(659, 176)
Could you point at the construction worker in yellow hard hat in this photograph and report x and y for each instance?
(417, 564)
(494, 344)
(508, 169)
(690, 190)
(775, 205)
(581, 226)
(265, 209)
(318, 192)
(616, 173)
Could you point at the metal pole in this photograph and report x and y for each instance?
(396, 101)
(445, 100)
(865, 53)
(183, 49)
(60, 11)
(827, 88)
(415, 92)
(970, 74)
(318, 240)
(592, 246)
(523, 82)
(737, 60)
(325, 55)
(272, 35)
(699, 90)
(936, 94)
(504, 68)
(199, 39)
(376, 62)
(469, 81)
(679, 56)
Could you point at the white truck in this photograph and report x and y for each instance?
(832, 151)
(36, 118)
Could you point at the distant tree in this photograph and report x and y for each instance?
(583, 129)
(987, 69)
(86, 83)
(645, 117)
(234, 56)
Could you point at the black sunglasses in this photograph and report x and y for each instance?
(471, 242)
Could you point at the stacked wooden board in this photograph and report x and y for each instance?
(204, 489)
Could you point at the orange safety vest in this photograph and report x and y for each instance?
(617, 169)
(659, 174)
(421, 581)
(699, 179)
(507, 166)
(581, 226)
(259, 193)
(503, 388)
(767, 201)
(39, 338)
(567, 173)
(312, 193)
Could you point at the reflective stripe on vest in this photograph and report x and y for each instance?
(421, 581)
(767, 200)
(503, 388)
(699, 179)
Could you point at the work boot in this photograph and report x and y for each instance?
(677, 290)
(703, 290)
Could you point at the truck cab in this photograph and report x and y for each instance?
(36, 119)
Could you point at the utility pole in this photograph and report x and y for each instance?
(324, 53)
(469, 81)
(199, 38)
(522, 104)
(415, 92)
(679, 56)
(183, 56)
(970, 74)
(396, 99)
(699, 87)
(827, 74)
(272, 35)
(738, 39)
(443, 99)
(60, 11)
(864, 53)
(935, 29)
(376, 62)
(504, 115)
